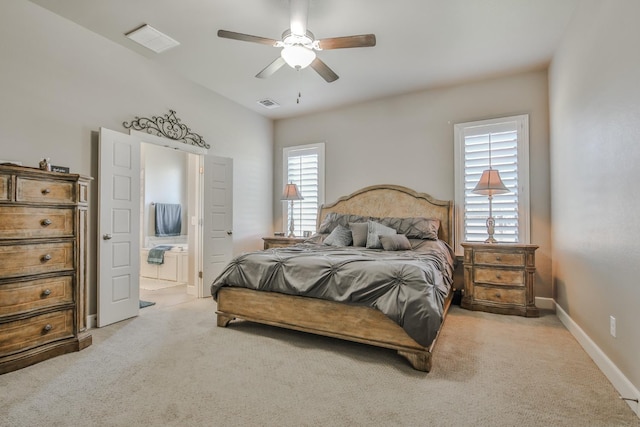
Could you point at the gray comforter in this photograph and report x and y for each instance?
(407, 286)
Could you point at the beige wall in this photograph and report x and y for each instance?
(408, 140)
(595, 153)
(59, 83)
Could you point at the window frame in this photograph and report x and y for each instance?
(319, 149)
(524, 222)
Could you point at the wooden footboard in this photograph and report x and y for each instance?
(353, 323)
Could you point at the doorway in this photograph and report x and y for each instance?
(120, 220)
(165, 257)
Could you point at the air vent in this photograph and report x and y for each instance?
(268, 103)
(151, 38)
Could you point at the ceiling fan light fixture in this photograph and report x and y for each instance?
(297, 56)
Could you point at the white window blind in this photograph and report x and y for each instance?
(501, 144)
(304, 166)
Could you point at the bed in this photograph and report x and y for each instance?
(400, 305)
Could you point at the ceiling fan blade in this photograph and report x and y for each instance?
(246, 37)
(324, 70)
(364, 40)
(271, 68)
(299, 13)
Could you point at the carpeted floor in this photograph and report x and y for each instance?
(172, 366)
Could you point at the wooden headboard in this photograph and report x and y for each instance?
(394, 201)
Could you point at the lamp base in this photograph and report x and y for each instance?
(491, 224)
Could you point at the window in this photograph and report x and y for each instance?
(304, 166)
(502, 144)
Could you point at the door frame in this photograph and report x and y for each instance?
(196, 267)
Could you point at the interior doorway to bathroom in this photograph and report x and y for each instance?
(167, 185)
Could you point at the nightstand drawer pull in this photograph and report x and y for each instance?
(46, 258)
(46, 191)
(47, 328)
(498, 276)
(498, 258)
(46, 292)
(497, 295)
(46, 222)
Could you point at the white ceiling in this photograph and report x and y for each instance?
(421, 44)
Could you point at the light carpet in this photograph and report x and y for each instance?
(174, 367)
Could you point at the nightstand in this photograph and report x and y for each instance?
(281, 241)
(498, 278)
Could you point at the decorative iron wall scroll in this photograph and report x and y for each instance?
(169, 126)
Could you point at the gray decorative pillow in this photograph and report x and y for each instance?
(395, 242)
(375, 229)
(332, 219)
(415, 227)
(340, 236)
(359, 233)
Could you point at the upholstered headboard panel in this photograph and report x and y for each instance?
(394, 201)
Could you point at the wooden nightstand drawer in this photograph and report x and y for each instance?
(27, 333)
(498, 295)
(498, 276)
(498, 258)
(20, 222)
(44, 191)
(281, 242)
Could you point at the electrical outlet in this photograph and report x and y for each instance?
(612, 326)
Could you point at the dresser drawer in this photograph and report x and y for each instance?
(498, 258)
(21, 260)
(4, 187)
(499, 295)
(25, 222)
(44, 191)
(23, 334)
(35, 294)
(498, 276)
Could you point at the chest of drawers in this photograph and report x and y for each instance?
(499, 278)
(43, 238)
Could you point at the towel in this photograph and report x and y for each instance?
(156, 255)
(168, 219)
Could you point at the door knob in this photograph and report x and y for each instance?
(106, 236)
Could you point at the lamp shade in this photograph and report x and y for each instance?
(297, 56)
(490, 183)
(291, 192)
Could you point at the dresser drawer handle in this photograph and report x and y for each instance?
(46, 222)
(46, 292)
(47, 257)
(46, 191)
(497, 295)
(498, 276)
(47, 327)
(498, 258)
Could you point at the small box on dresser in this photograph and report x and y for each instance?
(499, 278)
(43, 283)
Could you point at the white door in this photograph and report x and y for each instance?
(217, 236)
(118, 227)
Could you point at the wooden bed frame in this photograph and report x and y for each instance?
(353, 323)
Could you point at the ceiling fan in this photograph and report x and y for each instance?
(299, 45)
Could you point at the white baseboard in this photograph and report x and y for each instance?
(545, 303)
(621, 383)
(92, 321)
